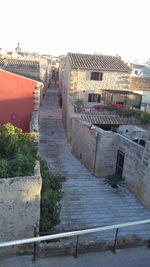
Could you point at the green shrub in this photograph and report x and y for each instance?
(4, 168)
(18, 152)
(50, 198)
(142, 116)
(111, 108)
(114, 181)
(79, 103)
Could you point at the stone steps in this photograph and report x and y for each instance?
(87, 201)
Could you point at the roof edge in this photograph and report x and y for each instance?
(21, 75)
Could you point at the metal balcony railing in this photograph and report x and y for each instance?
(72, 233)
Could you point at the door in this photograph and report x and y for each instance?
(120, 162)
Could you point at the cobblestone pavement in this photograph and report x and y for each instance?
(86, 201)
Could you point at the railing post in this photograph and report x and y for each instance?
(76, 251)
(34, 244)
(115, 243)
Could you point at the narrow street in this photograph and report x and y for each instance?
(86, 201)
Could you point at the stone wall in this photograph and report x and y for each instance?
(140, 83)
(34, 123)
(19, 205)
(133, 132)
(142, 86)
(106, 153)
(39, 94)
(65, 98)
(94, 147)
(82, 85)
(84, 143)
(97, 150)
(38, 99)
(136, 170)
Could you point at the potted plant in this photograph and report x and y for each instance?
(79, 103)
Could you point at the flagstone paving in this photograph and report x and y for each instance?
(86, 201)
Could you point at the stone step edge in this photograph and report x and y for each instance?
(67, 246)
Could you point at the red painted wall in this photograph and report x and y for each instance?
(16, 99)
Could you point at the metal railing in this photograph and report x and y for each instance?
(69, 234)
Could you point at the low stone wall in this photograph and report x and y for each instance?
(139, 83)
(84, 143)
(19, 205)
(136, 170)
(34, 123)
(97, 150)
(106, 156)
(68, 246)
(94, 147)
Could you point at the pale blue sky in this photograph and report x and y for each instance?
(57, 27)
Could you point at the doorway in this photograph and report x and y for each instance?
(120, 162)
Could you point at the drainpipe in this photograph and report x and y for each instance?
(94, 167)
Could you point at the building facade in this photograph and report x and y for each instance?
(86, 77)
(141, 85)
(20, 97)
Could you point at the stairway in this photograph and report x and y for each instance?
(86, 201)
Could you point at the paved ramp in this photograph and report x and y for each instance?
(86, 201)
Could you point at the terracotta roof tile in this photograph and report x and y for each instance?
(102, 119)
(17, 63)
(97, 62)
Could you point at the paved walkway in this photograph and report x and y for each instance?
(133, 257)
(86, 202)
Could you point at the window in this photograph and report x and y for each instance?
(96, 76)
(140, 142)
(138, 72)
(94, 98)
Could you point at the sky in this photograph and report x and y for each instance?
(60, 26)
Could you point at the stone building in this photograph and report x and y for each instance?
(33, 69)
(125, 152)
(22, 88)
(62, 61)
(20, 98)
(141, 85)
(87, 77)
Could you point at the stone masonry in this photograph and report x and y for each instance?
(97, 150)
(77, 84)
(19, 205)
(81, 85)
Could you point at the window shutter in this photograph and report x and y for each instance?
(101, 76)
(89, 98)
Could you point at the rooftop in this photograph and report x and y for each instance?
(122, 92)
(19, 64)
(24, 75)
(102, 119)
(98, 62)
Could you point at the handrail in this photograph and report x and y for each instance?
(73, 233)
